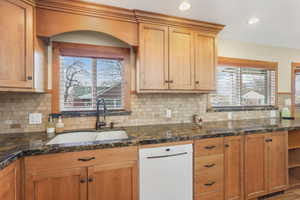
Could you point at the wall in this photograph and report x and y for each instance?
(146, 109)
(283, 56)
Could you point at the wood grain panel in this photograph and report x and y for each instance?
(153, 57)
(10, 182)
(234, 165)
(116, 181)
(255, 165)
(57, 185)
(16, 49)
(205, 58)
(181, 68)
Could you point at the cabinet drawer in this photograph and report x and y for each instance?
(79, 159)
(210, 196)
(207, 147)
(208, 183)
(206, 164)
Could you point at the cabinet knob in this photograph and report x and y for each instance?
(29, 78)
(209, 184)
(210, 165)
(269, 140)
(197, 82)
(82, 180)
(210, 147)
(90, 179)
(226, 145)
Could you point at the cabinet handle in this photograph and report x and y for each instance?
(82, 180)
(168, 81)
(210, 166)
(86, 159)
(29, 78)
(268, 140)
(90, 179)
(209, 184)
(210, 147)
(171, 81)
(226, 145)
(197, 82)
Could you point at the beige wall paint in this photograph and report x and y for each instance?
(284, 57)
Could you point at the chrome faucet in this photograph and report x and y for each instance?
(99, 123)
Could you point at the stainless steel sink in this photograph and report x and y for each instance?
(77, 137)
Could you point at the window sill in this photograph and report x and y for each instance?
(241, 108)
(71, 114)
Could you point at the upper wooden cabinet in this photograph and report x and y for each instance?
(10, 182)
(266, 164)
(16, 49)
(205, 61)
(175, 59)
(153, 71)
(181, 59)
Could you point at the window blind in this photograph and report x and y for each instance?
(244, 86)
(83, 80)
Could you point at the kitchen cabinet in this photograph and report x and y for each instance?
(265, 164)
(175, 55)
(113, 181)
(87, 175)
(209, 168)
(181, 52)
(153, 54)
(10, 181)
(205, 61)
(233, 154)
(16, 50)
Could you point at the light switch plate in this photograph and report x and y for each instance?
(35, 118)
(273, 113)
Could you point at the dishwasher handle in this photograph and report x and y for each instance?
(166, 156)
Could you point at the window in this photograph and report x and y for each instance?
(244, 83)
(87, 73)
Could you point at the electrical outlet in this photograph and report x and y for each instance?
(168, 113)
(35, 118)
(229, 116)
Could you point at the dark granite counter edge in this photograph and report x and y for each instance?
(11, 157)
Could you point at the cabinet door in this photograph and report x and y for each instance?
(234, 168)
(113, 181)
(181, 68)
(205, 61)
(278, 163)
(153, 54)
(16, 49)
(255, 165)
(10, 182)
(57, 185)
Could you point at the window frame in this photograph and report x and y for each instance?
(246, 63)
(88, 50)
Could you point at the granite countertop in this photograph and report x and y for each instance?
(17, 145)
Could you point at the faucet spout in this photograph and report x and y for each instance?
(99, 123)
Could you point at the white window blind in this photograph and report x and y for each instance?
(244, 86)
(83, 80)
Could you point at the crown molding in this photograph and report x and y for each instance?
(83, 7)
(151, 17)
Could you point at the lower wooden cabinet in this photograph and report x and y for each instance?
(97, 178)
(266, 164)
(233, 166)
(113, 182)
(10, 181)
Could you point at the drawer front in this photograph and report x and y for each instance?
(208, 147)
(210, 196)
(207, 164)
(209, 174)
(79, 159)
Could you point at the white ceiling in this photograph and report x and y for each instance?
(279, 19)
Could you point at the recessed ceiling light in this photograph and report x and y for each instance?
(184, 6)
(253, 20)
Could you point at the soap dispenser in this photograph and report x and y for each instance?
(59, 125)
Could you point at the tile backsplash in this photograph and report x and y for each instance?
(146, 109)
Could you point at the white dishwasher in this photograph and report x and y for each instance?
(166, 173)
